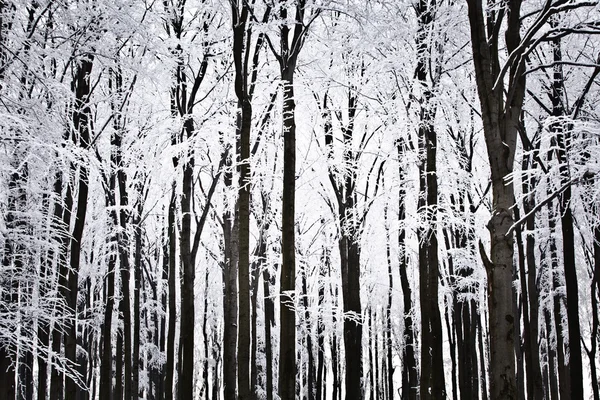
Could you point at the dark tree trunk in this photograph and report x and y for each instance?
(57, 228)
(268, 282)
(552, 371)
(371, 369)
(230, 299)
(206, 365)
(81, 122)
(482, 357)
(162, 372)
(287, 349)
(568, 236)
(56, 377)
(137, 268)
(310, 368)
(388, 310)
(432, 384)
(335, 358)
(410, 381)
(106, 371)
(531, 299)
(500, 118)
(187, 259)
(321, 371)
(595, 293)
(172, 238)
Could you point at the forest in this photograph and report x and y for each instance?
(299, 199)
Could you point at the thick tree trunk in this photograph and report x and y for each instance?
(243, 358)
(500, 118)
(186, 345)
(287, 349)
(432, 385)
(81, 122)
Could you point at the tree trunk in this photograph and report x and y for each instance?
(268, 282)
(187, 259)
(137, 268)
(321, 372)
(172, 238)
(81, 122)
(287, 349)
(410, 381)
(432, 384)
(570, 269)
(535, 389)
(230, 299)
(556, 282)
(500, 118)
(388, 310)
(206, 364)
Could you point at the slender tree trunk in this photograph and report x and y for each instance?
(410, 381)
(535, 390)
(482, 357)
(388, 311)
(135, 365)
(371, 369)
(310, 368)
(162, 372)
(556, 282)
(321, 371)
(56, 378)
(335, 358)
(230, 300)
(254, 366)
(57, 227)
(595, 293)
(106, 371)
(268, 282)
(172, 239)
(552, 370)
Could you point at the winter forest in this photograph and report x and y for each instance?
(299, 199)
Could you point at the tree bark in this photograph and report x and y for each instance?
(410, 381)
(567, 228)
(81, 122)
(500, 123)
(172, 239)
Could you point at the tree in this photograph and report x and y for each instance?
(501, 89)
